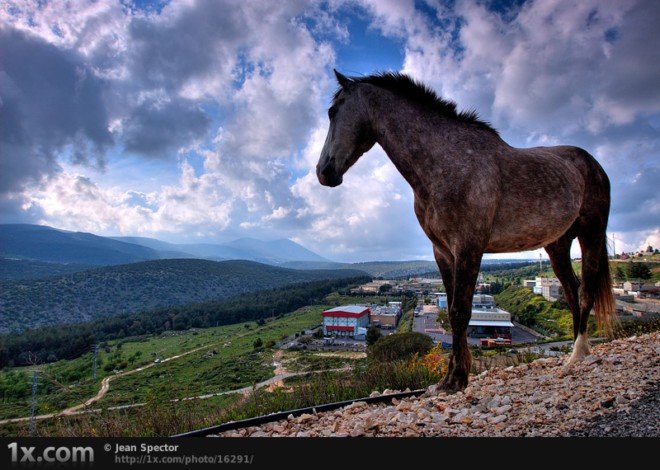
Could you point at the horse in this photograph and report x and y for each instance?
(475, 194)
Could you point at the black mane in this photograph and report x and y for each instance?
(409, 88)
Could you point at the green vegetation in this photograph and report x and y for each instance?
(57, 342)
(139, 287)
(224, 360)
(443, 319)
(373, 335)
(532, 310)
(15, 269)
(400, 346)
(406, 322)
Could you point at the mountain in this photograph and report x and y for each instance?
(38, 243)
(47, 244)
(137, 287)
(14, 269)
(277, 250)
(271, 252)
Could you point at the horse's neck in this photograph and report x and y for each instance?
(415, 145)
(419, 144)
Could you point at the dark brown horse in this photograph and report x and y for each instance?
(475, 194)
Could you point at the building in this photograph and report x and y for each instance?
(487, 321)
(442, 300)
(347, 320)
(385, 316)
(372, 287)
(490, 322)
(529, 283)
(548, 287)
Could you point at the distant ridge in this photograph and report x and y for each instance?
(138, 287)
(40, 243)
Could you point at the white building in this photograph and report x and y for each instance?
(548, 287)
(347, 320)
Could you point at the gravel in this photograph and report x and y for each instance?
(613, 392)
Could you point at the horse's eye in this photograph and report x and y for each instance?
(332, 112)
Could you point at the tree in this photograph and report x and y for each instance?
(638, 271)
(619, 273)
(373, 335)
(384, 288)
(258, 343)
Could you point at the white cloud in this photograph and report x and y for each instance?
(240, 89)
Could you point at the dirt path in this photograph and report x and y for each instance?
(281, 374)
(105, 386)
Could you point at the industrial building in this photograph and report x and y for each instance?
(487, 321)
(386, 317)
(346, 321)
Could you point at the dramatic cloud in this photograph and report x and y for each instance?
(50, 104)
(205, 119)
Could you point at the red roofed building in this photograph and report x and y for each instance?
(345, 320)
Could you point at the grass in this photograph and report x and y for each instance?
(235, 364)
(305, 361)
(164, 418)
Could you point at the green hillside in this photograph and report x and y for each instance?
(149, 285)
(15, 269)
(552, 319)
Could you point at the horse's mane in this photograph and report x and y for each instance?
(409, 88)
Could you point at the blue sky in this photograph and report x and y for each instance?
(203, 120)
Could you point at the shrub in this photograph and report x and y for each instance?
(400, 346)
(373, 335)
(305, 339)
(258, 343)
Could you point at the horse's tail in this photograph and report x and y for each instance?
(604, 306)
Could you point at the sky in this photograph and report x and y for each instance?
(203, 120)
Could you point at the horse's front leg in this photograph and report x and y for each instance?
(466, 272)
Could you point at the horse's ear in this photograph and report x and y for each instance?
(343, 80)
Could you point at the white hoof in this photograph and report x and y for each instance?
(580, 350)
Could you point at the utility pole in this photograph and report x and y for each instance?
(96, 353)
(33, 405)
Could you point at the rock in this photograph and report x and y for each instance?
(302, 434)
(500, 410)
(306, 418)
(607, 403)
(375, 393)
(497, 419)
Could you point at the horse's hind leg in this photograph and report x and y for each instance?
(560, 258)
(591, 245)
(559, 253)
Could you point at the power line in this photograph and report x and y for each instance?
(96, 353)
(33, 405)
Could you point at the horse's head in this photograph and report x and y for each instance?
(349, 136)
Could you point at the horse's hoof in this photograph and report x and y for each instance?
(453, 384)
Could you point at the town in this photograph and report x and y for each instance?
(346, 326)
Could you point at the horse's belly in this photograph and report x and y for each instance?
(533, 226)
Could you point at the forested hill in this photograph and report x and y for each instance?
(148, 285)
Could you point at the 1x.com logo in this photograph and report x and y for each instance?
(50, 454)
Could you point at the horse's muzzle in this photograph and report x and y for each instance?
(327, 174)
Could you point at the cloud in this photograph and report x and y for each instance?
(230, 97)
(50, 104)
(158, 129)
(553, 72)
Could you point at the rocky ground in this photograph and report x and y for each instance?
(614, 392)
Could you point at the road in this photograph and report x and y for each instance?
(427, 324)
